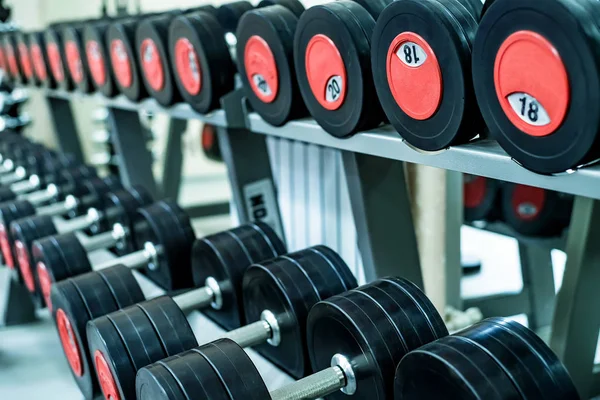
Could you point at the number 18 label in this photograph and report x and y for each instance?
(411, 54)
(529, 109)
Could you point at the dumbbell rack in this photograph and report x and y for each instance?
(370, 169)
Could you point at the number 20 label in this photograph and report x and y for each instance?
(411, 54)
(529, 109)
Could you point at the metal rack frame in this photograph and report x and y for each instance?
(373, 164)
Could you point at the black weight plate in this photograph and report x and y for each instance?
(95, 293)
(481, 198)
(123, 285)
(98, 58)
(6, 194)
(22, 48)
(13, 57)
(237, 372)
(263, 289)
(229, 14)
(75, 54)
(120, 42)
(138, 336)
(296, 7)
(96, 191)
(436, 322)
(559, 372)
(567, 136)
(225, 257)
(165, 224)
(441, 371)
(337, 326)
(271, 237)
(516, 362)
(200, 58)
(25, 231)
(534, 211)
(441, 109)
(475, 7)
(344, 51)
(339, 266)
(196, 377)
(152, 47)
(155, 382)
(121, 208)
(57, 59)
(261, 242)
(57, 258)
(114, 368)
(10, 212)
(171, 326)
(265, 51)
(373, 7)
(39, 60)
(71, 316)
(319, 272)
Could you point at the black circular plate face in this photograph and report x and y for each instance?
(114, 367)
(237, 372)
(165, 225)
(153, 55)
(171, 325)
(421, 57)
(71, 316)
(196, 377)
(295, 6)
(539, 114)
(263, 290)
(451, 371)
(155, 382)
(120, 41)
(123, 285)
(200, 59)
(265, 51)
(229, 14)
(332, 62)
(338, 326)
(338, 265)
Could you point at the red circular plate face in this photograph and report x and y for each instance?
(45, 283)
(208, 137)
(25, 61)
(326, 72)
(25, 265)
(188, 67)
(69, 342)
(528, 201)
(414, 76)
(37, 59)
(2, 58)
(152, 65)
(5, 247)
(531, 83)
(120, 63)
(96, 63)
(261, 69)
(74, 61)
(474, 190)
(105, 377)
(12, 60)
(55, 62)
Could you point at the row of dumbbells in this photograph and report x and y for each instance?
(304, 312)
(530, 211)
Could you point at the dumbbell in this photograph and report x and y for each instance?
(209, 142)
(116, 288)
(22, 46)
(333, 65)
(97, 54)
(90, 202)
(277, 297)
(535, 211)
(481, 197)
(493, 359)
(56, 56)
(354, 341)
(265, 51)
(12, 57)
(421, 61)
(74, 50)
(39, 59)
(200, 54)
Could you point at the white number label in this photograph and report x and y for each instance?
(527, 209)
(149, 53)
(261, 83)
(529, 109)
(411, 54)
(193, 65)
(334, 88)
(120, 50)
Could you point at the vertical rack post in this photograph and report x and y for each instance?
(134, 159)
(453, 224)
(173, 163)
(65, 126)
(382, 214)
(16, 306)
(248, 166)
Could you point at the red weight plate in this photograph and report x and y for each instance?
(188, 67)
(326, 72)
(261, 69)
(69, 343)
